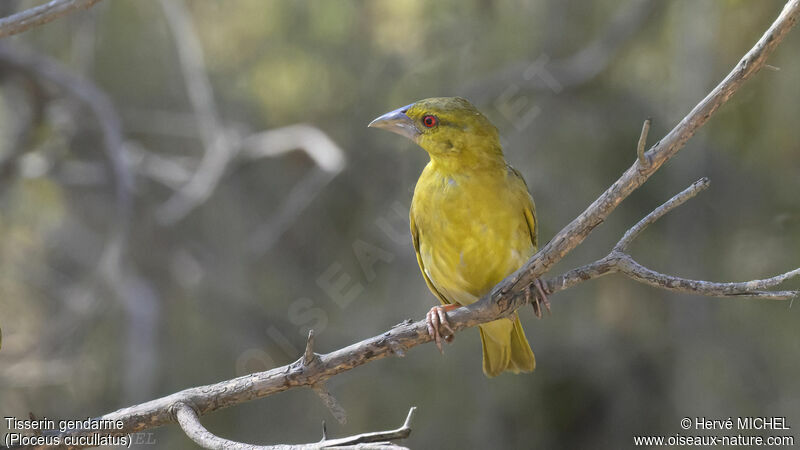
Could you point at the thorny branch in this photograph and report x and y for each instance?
(641, 146)
(379, 440)
(40, 15)
(507, 296)
(308, 361)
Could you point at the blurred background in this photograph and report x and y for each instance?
(187, 187)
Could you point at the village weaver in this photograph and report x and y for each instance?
(473, 221)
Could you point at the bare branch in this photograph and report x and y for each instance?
(505, 298)
(400, 433)
(753, 288)
(190, 423)
(623, 263)
(40, 15)
(619, 261)
(499, 303)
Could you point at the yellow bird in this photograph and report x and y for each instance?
(473, 221)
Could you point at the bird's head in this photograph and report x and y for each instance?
(446, 127)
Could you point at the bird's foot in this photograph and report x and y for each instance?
(540, 298)
(436, 319)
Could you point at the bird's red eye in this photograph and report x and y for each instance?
(430, 121)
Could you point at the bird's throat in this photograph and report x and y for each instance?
(467, 163)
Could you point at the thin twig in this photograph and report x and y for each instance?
(330, 402)
(620, 262)
(40, 15)
(688, 193)
(752, 288)
(309, 356)
(643, 143)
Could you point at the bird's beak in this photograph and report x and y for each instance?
(397, 122)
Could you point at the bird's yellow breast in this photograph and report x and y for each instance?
(472, 228)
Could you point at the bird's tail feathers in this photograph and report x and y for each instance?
(505, 347)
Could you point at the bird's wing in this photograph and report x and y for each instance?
(415, 240)
(529, 208)
(530, 217)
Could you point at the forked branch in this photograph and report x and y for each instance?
(619, 261)
(507, 296)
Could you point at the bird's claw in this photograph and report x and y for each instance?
(541, 298)
(436, 319)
